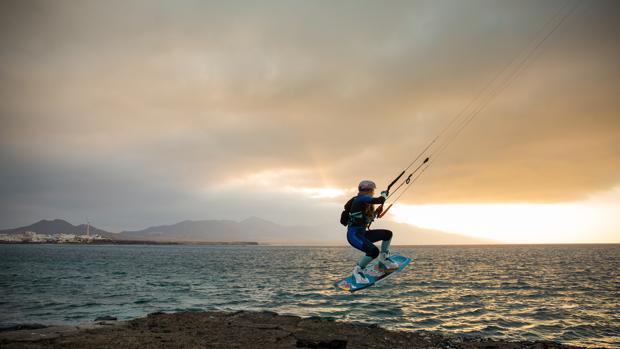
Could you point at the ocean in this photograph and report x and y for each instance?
(565, 293)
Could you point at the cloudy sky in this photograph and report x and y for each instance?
(137, 113)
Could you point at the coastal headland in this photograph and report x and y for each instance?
(242, 329)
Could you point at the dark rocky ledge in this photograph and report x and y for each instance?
(243, 330)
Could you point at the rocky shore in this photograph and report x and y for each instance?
(239, 330)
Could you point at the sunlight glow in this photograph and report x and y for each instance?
(320, 193)
(517, 223)
(274, 181)
(261, 179)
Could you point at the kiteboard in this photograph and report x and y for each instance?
(374, 273)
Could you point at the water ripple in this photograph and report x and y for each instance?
(564, 293)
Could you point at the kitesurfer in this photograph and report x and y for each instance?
(361, 213)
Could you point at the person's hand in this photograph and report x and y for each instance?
(379, 210)
(384, 194)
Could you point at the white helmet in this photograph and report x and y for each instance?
(366, 186)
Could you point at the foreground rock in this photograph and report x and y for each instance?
(243, 330)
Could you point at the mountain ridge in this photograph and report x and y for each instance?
(55, 226)
(253, 229)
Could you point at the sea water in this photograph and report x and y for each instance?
(566, 293)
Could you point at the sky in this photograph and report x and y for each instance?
(137, 113)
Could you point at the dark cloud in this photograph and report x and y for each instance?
(151, 106)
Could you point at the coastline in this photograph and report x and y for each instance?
(138, 242)
(243, 329)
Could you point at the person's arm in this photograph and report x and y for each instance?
(370, 200)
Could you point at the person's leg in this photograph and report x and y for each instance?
(357, 239)
(383, 235)
(363, 262)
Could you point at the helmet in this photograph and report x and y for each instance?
(366, 186)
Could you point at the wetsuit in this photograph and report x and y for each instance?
(361, 214)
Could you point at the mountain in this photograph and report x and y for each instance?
(57, 226)
(254, 229)
(260, 230)
(250, 229)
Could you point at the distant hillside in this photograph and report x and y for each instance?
(250, 229)
(254, 229)
(260, 230)
(57, 226)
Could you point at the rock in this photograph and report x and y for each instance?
(106, 318)
(332, 344)
(22, 327)
(456, 340)
(244, 330)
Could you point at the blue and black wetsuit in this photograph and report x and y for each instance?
(361, 214)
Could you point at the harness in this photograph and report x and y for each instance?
(358, 218)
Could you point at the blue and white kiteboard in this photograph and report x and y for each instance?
(374, 273)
